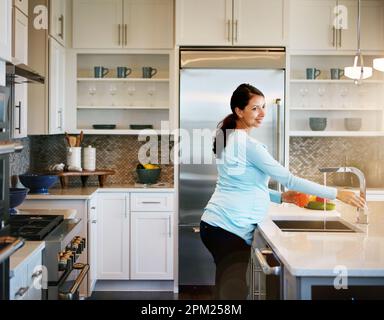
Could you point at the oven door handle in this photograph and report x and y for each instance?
(267, 269)
(72, 292)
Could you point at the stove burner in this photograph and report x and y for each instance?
(33, 227)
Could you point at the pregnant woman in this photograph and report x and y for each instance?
(241, 198)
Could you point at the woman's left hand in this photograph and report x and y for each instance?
(290, 197)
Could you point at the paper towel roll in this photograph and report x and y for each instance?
(89, 159)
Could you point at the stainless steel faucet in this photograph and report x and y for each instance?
(362, 217)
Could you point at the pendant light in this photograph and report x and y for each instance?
(358, 72)
(378, 64)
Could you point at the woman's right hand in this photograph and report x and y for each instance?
(351, 198)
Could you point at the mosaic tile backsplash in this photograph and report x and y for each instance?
(119, 153)
(308, 154)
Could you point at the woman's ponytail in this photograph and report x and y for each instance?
(220, 141)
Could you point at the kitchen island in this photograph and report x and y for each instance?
(317, 265)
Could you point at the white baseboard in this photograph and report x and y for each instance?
(133, 285)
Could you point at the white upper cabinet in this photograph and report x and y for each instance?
(372, 25)
(331, 25)
(20, 111)
(258, 22)
(230, 22)
(148, 24)
(56, 87)
(58, 20)
(20, 37)
(6, 29)
(123, 24)
(97, 23)
(202, 22)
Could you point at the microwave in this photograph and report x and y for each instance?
(5, 95)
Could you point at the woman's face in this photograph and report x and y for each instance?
(253, 114)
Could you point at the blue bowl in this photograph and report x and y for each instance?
(16, 198)
(37, 183)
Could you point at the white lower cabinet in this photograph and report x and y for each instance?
(113, 236)
(135, 245)
(26, 281)
(151, 246)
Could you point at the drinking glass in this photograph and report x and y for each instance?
(92, 91)
(151, 93)
(303, 93)
(131, 91)
(112, 92)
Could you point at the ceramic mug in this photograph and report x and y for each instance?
(313, 73)
(123, 72)
(149, 72)
(336, 73)
(101, 72)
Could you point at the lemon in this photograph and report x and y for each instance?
(150, 166)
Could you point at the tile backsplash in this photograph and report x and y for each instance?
(119, 153)
(308, 154)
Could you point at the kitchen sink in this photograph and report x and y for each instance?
(313, 226)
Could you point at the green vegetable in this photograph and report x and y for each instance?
(317, 205)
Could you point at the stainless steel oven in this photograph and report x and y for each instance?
(266, 271)
(63, 248)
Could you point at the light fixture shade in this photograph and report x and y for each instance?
(355, 72)
(378, 64)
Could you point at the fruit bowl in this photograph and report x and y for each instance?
(148, 176)
(16, 198)
(38, 183)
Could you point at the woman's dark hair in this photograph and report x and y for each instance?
(240, 99)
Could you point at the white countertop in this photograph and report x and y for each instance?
(318, 254)
(85, 193)
(29, 249)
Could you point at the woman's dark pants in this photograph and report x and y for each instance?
(231, 255)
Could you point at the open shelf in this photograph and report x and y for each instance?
(334, 81)
(337, 109)
(147, 132)
(122, 108)
(336, 133)
(122, 79)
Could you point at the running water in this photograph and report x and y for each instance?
(325, 200)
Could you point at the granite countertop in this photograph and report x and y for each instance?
(29, 249)
(84, 193)
(319, 253)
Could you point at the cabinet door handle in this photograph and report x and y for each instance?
(169, 227)
(119, 34)
(61, 20)
(60, 113)
(229, 30)
(333, 36)
(94, 221)
(19, 106)
(340, 31)
(236, 30)
(126, 34)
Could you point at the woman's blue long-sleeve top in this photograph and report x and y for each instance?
(241, 198)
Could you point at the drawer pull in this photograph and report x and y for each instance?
(151, 202)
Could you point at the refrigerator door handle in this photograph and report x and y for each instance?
(279, 134)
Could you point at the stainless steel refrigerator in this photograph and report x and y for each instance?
(207, 79)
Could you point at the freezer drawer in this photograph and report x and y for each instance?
(196, 266)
